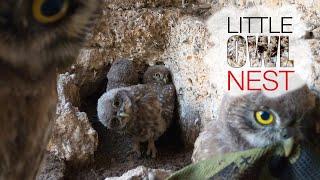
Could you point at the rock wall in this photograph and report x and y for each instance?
(187, 45)
(73, 138)
(148, 32)
(142, 172)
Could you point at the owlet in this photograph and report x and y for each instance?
(140, 111)
(122, 74)
(255, 120)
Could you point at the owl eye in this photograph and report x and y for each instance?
(49, 11)
(116, 103)
(157, 75)
(264, 117)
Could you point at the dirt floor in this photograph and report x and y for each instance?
(113, 156)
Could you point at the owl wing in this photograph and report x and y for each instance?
(149, 115)
(167, 97)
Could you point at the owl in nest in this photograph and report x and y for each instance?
(157, 74)
(160, 77)
(142, 111)
(255, 120)
(37, 38)
(122, 73)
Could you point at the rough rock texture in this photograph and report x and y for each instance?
(315, 45)
(51, 168)
(146, 32)
(73, 138)
(142, 172)
(129, 4)
(187, 45)
(312, 18)
(138, 35)
(90, 70)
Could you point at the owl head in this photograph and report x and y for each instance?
(157, 74)
(263, 120)
(123, 70)
(36, 34)
(115, 109)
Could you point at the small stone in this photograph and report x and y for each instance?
(73, 138)
(142, 172)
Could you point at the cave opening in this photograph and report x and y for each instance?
(113, 156)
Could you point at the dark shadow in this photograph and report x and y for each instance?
(113, 156)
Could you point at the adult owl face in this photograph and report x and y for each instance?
(36, 34)
(263, 120)
(157, 74)
(115, 109)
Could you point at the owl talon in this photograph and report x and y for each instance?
(152, 149)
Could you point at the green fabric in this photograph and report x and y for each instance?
(255, 164)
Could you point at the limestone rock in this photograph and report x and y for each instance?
(312, 18)
(132, 30)
(184, 57)
(314, 81)
(142, 172)
(199, 145)
(138, 34)
(90, 70)
(73, 138)
(51, 168)
(128, 4)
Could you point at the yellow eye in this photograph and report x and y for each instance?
(49, 11)
(264, 117)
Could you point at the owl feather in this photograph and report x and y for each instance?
(142, 111)
(254, 120)
(37, 37)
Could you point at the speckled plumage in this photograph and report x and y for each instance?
(236, 128)
(31, 51)
(157, 74)
(160, 77)
(122, 73)
(141, 111)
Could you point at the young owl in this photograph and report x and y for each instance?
(122, 74)
(157, 74)
(160, 77)
(255, 120)
(140, 111)
(36, 38)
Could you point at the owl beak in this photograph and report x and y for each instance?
(165, 80)
(123, 115)
(288, 146)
